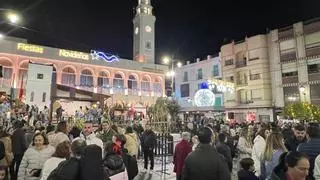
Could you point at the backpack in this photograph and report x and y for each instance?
(2, 150)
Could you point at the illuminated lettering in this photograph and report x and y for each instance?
(73, 54)
(29, 48)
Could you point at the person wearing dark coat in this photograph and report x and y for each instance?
(148, 144)
(299, 137)
(247, 170)
(113, 163)
(70, 168)
(182, 150)
(224, 149)
(205, 162)
(91, 164)
(19, 146)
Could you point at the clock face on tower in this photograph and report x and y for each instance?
(136, 31)
(148, 29)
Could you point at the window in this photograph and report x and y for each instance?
(44, 97)
(185, 76)
(199, 74)
(215, 70)
(184, 90)
(255, 76)
(39, 76)
(256, 94)
(148, 45)
(289, 74)
(314, 68)
(32, 96)
(228, 62)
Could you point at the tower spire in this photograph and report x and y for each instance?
(144, 7)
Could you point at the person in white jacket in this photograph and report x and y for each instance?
(88, 135)
(62, 153)
(259, 145)
(316, 170)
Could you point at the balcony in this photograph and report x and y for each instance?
(286, 33)
(241, 63)
(311, 27)
(290, 56)
(290, 79)
(314, 76)
(242, 83)
(313, 51)
(246, 101)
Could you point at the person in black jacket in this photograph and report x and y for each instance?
(224, 149)
(298, 138)
(205, 162)
(19, 146)
(247, 170)
(148, 143)
(70, 169)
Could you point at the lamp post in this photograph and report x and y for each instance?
(302, 90)
(171, 73)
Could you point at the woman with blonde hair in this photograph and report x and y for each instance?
(244, 144)
(274, 148)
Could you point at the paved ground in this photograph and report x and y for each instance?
(168, 174)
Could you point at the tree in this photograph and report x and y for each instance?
(173, 108)
(302, 111)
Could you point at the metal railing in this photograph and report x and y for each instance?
(290, 79)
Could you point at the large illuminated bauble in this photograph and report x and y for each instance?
(204, 97)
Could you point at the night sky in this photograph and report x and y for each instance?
(185, 29)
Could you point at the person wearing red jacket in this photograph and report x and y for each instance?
(182, 149)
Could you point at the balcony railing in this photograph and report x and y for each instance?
(313, 51)
(314, 76)
(311, 27)
(290, 79)
(241, 63)
(246, 101)
(285, 57)
(286, 33)
(242, 83)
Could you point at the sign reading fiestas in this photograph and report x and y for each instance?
(30, 48)
(73, 54)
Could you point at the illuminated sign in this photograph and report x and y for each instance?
(30, 48)
(73, 54)
(97, 55)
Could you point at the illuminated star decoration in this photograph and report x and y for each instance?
(98, 55)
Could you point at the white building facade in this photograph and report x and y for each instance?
(294, 54)
(188, 80)
(38, 90)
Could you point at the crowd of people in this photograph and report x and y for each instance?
(253, 151)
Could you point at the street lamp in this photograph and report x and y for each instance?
(167, 60)
(13, 18)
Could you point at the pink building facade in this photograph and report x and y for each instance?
(124, 80)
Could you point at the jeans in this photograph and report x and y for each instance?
(14, 167)
(148, 154)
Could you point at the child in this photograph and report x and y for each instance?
(3, 174)
(247, 170)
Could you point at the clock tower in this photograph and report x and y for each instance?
(143, 33)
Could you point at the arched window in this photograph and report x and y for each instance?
(86, 78)
(68, 77)
(132, 82)
(118, 81)
(157, 88)
(6, 68)
(103, 80)
(145, 85)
